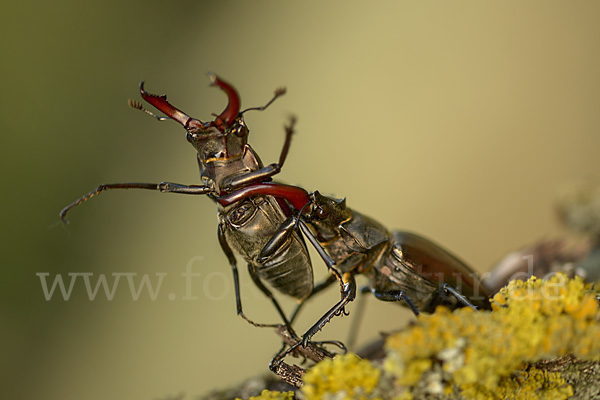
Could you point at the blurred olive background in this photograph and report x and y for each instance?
(457, 120)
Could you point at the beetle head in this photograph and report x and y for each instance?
(218, 140)
(327, 214)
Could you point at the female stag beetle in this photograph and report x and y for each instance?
(266, 223)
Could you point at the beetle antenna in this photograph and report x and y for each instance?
(138, 106)
(278, 92)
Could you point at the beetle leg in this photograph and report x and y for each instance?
(314, 351)
(279, 239)
(287, 228)
(319, 287)
(167, 187)
(236, 283)
(291, 374)
(396, 295)
(359, 309)
(295, 195)
(399, 295)
(348, 294)
(347, 283)
(330, 262)
(269, 294)
(229, 185)
(449, 290)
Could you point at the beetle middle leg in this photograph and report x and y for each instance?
(348, 294)
(347, 283)
(348, 289)
(278, 240)
(318, 288)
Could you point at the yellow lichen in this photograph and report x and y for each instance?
(483, 355)
(532, 384)
(344, 377)
(273, 395)
(478, 351)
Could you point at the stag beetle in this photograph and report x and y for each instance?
(266, 223)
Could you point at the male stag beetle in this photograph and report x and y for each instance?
(266, 223)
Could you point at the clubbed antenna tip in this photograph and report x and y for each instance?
(135, 104)
(138, 106)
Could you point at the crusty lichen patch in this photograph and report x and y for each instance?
(273, 395)
(484, 354)
(344, 377)
(476, 355)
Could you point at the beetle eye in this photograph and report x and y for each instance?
(191, 136)
(322, 212)
(239, 129)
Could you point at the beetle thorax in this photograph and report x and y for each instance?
(216, 172)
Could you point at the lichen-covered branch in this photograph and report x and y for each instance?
(541, 341)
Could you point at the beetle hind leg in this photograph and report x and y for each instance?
(396, 295)
(316, 289)
(450, 291)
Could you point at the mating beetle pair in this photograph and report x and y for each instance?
(267, 223)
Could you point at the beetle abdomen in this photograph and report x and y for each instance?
(249, 226)
(289, 270)
(419, 268)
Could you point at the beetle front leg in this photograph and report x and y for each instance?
(264, 173)
(166, 187)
